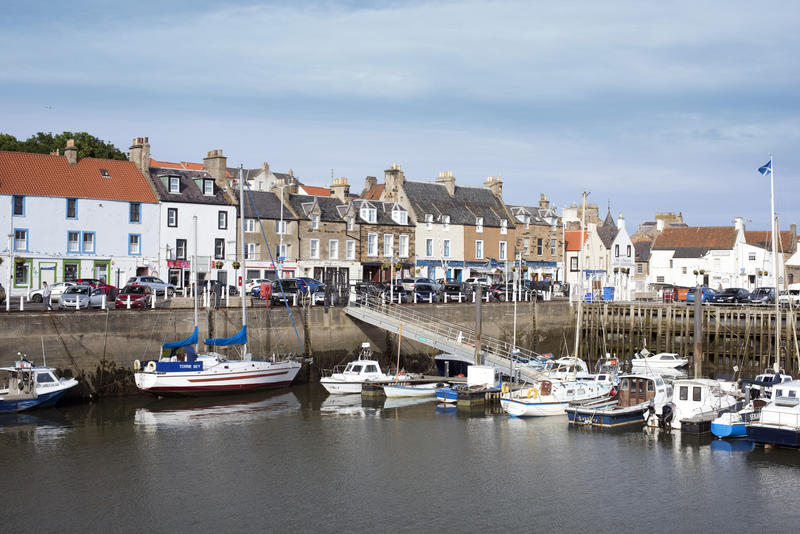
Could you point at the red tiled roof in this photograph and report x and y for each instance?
(44, 175)
(316, 191)
(374, 192)
(572, 239)
(763, 239)
(189, 166)
(706, 237)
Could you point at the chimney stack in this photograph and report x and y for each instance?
(660, 224)
(369, 183)
(543, 202)
(341, 189)
(394, 179)
(620, 221)
(71, 152)
(139, 154)
(495, 186)
(447, 179)
(738, 223)
(216, 165)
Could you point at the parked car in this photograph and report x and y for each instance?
(410, 283)
(392, 291)
(706, 292)
(502, 292)
(426, 292)
(763, 295)
(731, 295)
(55, 292)
(82, 296)
(140, 297)
(156, 284)
(456, 290)
(311, 284)
(318, 297)
(372, 289)
(96, 283)
(290, 286)
(2, 294)
(482, 281)
(250, 284)
(789, 296)
(216, 285)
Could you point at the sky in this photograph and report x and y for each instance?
(648, 106)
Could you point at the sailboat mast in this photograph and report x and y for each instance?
(194, 275)
(580, 294)
(241, 249)
(775, 265)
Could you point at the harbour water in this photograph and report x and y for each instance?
(298, 460)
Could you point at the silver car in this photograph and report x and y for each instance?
(156, 284)
(82, 297)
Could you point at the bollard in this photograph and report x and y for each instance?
(153, 301)
(430, 298)
(103, 303)
(294, 299)
(166, 293)
(445, 298)
(128, 304)
(473, 297)
(459, 297)
(22, 304)
(228, 296)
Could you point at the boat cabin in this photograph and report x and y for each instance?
(788, 394)
(21, 380)
(363, 368)
(638, 389)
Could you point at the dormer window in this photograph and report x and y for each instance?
(174, 184)
(400, 216)
(315, 222)
(479, 224)
(445, 222)
(503, 226)
(369, 214)
(428, 221)
(104, 173)
(208, 187)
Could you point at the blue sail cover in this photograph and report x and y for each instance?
(238, 339)
(191, 340)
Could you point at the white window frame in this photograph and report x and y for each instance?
(89, 249)
(502, 251)
(351, 223)
(479, 224)
(445, 223)
(400, 216)
(503, 226)
(526, 245)
(250, 251)
(138, 250)
(174, 184)
(315, 221)
(280, 227)
(350, 249)
(402, 242)
(539, 246)
(208, 187)
(429, 221)
(70, 248)
(388, 245)
(250, 226)
(479, 249)
(552, 247)
(429, 247)
(222, 220)
(313, 249)
(333, 249)
(446, 248)
(372, 245)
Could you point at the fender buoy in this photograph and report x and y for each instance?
(151, 367)
(504, 388)
(137, 365)
(533, 393)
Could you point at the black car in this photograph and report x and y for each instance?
(763, 295)
(502, 292)
(456, 291)
(292, 291)
(396, 291)
(426, 293)
(216, 285)
(731, 295)
(371, 289)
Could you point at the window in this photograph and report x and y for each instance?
(71, 271)
(651, 386)
(88, 242)
(400, 216)
(552, 247)
(573, 264)
(134, 244)
(445, 222)
(446, 248)
(180, 249)
(372, 245)
(73, 241)
(616, 251)
(628, 250)
(683, 270)
(640, 268)
(526, 245)
(429, 247)
(624, 384)
(539, 247)
(72, 208)
(351, 249)
(697, 393)
(280, 227)
(479, 224)
(172, 217)
(208, 187)
(222, 220)
(388, 245)
(315, 222)
(104, 173)
(251, 251)
(502, 250)
(369, 214)
(503, 226)
(250, 225)
(174, 184)
(479, 249)
(333, 249)
(403, 245)
(659, 279)
(670, 264)
(351, 223)
(428, 221)
(20, 239)
(18, 203)
(751, 256)
(313, 249)
(135, 212)
(219, 249)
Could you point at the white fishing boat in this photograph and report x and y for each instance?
(548, 398)
(779, 421)
(638, 395)
(26, 386)
(656, 362)
(355, 374)
(412, 390)
(188, 373)
(693, 398)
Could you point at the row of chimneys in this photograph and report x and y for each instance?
(214, 163)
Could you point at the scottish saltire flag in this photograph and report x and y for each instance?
(766, 168)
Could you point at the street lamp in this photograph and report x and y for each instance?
(280, 235)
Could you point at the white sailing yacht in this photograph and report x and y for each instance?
(212, 372)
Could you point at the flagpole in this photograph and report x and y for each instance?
(775, 265)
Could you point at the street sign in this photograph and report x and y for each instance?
(281, 258)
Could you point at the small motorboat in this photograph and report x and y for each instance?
(28, 386)
(638, 395)
(547, 397)
(694, 398)
(778, 423)
(399, 389)
(356, 373)
(656, 362)
(479, 378)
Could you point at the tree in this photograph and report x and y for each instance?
(88, 145)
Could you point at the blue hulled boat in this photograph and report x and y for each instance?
(629, 407)
(29, 387)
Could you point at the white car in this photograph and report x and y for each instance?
(82, 296)
(254, 283)
(55, 292)
(479, 281)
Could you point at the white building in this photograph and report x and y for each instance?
(69, 218)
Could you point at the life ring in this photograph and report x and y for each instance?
(137, 365)
(504, 388)
(533, 393)
(151, 367)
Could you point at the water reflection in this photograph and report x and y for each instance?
(39, 425)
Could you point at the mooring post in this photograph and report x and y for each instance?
(698, 332)
(478, 321)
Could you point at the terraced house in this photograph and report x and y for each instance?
(539, 240)
(68, 217)
(264, 225)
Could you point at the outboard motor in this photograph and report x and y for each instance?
(665, 418)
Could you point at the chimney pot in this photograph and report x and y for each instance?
(71, 152)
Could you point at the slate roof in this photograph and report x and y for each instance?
(609, 220)
(190, 191)
(302, 205)
(267, 206)
(572, 240)
(383, 212)
(695, 241)
(23, 173)
(642, 250)
(537, 215)
(463, 207)
(607, 234)
(763, 239)
(184, 165)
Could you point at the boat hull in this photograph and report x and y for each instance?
(607, 418)
(341, 388)
(447, 395)
(774, 435)
(520, 408)
(43, 400)
(421, 390)
(260, 375)
(728, 430)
